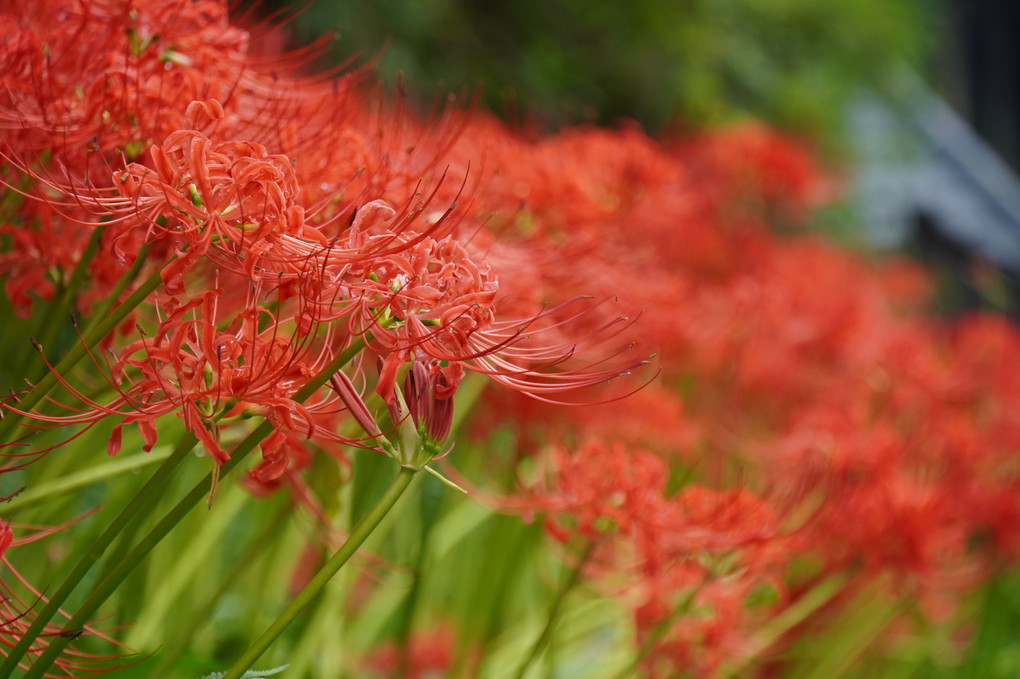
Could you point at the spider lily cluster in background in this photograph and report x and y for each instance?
(207, 249)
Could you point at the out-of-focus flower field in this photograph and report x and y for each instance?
(303, 379)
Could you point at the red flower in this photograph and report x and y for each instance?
(17, 615)
(202, 372)
(429, 654)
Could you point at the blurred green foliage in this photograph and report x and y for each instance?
(663, 63)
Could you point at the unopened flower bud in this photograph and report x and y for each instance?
(427, 396)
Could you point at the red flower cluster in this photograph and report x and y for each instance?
(686, 563)
(817, 373)
(289, 218)
(278, 244)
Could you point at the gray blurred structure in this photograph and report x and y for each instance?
(926, 179)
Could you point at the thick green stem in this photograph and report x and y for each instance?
(28, 400)
(116, 575)
(555, 609)
(331, 568)
(136, 507)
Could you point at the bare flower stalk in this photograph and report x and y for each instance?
(321, 579)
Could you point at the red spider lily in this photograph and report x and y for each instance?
(16, 616)
(764, 168)
(232, 203)
(233, 193)
(86, 87)
(723, 547)
(601, 489)
(434, 299)
(690, 560)
(40, 243)
(97, 71)
(436, 296)
(604, 488)
(113, 76)
(201, 372)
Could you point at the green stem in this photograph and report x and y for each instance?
(61, 304)
(430, 496)
(116, 575)
(317, 583)
(78, 275)
(178, 573)
(410, 607)
(138, 506)
(65, 484)
(793, 615)
(101, 592)
(129, 276)
(317, 647)
(555, 609)
(28, 400)
(251, 554)
(656, 635)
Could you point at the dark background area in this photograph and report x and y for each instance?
(665, 64)
(979, 69)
